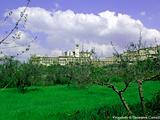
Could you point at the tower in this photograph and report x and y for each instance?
(77, 51)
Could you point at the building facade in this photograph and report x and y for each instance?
(132, 56)
(80, 57)
(68, 57)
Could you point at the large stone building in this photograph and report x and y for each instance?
(142, 54)
(132, 56)
(76, 56)
(81, 57)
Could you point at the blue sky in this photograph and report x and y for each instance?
(93, 23)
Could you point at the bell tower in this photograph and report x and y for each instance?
(77, 51)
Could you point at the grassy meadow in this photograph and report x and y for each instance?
(53, 101)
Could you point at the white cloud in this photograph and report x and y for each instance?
(101, 49)
(60, 30)
(56, 52)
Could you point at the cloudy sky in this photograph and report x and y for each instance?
(60, 24)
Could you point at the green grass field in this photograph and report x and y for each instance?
(44, 103)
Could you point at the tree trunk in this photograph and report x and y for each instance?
(125, 103)
(140, 90)
(120, 94)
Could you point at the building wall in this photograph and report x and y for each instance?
(83, 57)
(132, 56)
(76, 56)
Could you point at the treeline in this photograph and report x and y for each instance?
(13, 73)
(16, 74)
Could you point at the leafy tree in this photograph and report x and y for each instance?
(8, 70)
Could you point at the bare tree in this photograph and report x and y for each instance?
(144, 69)
(118, 92)
(13, 34)
(138, 70)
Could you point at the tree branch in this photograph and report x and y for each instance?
(124, 89)
(120, 93)
(152, 77)
(17, 23)
(107, 84)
